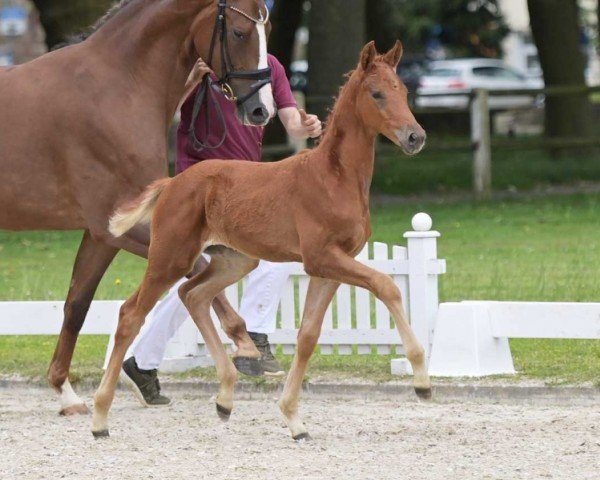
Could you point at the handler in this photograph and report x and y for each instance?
(262, 291)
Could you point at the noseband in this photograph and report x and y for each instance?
(206, 92)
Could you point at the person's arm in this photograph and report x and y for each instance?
(198, 72)
(300, 125)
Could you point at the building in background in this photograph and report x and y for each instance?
(519, 48)
(21, 35)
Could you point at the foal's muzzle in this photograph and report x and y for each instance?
(411, 139)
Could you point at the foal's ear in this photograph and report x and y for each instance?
(368, 54)
(393, 57)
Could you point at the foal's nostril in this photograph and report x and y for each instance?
(413, 139)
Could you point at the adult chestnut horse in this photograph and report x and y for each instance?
(85, 127)
(311, 208)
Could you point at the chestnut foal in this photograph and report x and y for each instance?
(311, 208)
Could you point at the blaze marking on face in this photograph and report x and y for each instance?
(266, 92)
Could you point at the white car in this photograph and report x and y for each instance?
(466, 74)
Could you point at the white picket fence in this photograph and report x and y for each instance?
(354, 318)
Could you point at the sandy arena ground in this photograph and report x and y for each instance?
(354, 438)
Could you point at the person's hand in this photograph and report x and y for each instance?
(311, 124)
(199, 71)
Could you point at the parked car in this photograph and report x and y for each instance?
(463, 75)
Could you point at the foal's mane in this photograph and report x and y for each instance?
(342, 94)
(340, 98)
(83, 35)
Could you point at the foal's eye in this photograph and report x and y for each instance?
(239, 35)
(378, 96)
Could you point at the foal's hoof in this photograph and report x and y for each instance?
(423, 393)
(79, 409)
(249, 366)
(101, 434)
(302, 436)
(223, 413)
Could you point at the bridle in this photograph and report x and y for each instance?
(206, 92)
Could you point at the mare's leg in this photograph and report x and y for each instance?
(93, 258)
(319, 295)
(339, 266)
(226, 267)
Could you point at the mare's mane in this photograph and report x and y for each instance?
(83, 35)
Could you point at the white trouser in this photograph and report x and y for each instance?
(262, 293)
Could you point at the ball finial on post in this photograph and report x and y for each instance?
(421, 222)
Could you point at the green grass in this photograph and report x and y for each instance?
(450, 172)
(37, 266)
(29, 356)
(545, 249)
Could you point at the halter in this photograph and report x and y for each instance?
(206, 92)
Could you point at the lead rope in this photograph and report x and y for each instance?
(206, 95)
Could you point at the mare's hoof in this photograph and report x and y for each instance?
(101, 434)
(423, 393)
(303, 436)
(79, 409)
(249, 366)
(223, 413)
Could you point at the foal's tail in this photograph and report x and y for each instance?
(138, 211)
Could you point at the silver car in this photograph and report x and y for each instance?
(465, 74)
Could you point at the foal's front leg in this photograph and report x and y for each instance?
(338, 265)
(319, 295)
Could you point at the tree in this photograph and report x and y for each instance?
(62, 18)
(411, 22)
(556, 31)
(286, 18)
(337, 35)
(466, 27)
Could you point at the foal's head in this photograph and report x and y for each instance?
(242, 51)
(382, 99)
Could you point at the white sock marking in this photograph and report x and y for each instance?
(68, 397)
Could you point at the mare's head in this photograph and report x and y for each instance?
(382, 101)
(240, 50)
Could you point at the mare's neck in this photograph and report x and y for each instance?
(348, 144)
(150, 42)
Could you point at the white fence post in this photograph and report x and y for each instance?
(423, 269)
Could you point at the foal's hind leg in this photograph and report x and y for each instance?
(226, 267)
(93, 258)
(162, 272)
(233, 325)
(319, 295)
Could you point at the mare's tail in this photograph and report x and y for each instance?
(138, 211)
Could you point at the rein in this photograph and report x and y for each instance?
(209, 88)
